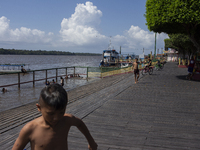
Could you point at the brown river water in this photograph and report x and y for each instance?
(15, 97)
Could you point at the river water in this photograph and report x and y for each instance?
(27, 93)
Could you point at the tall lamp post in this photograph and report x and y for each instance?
(155, 48)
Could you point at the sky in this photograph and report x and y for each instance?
(77, 26)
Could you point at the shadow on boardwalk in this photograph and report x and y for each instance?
(183, 77)
(160, 112)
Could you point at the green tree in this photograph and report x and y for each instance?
(175, 16)
(182, 43)
(168, 44)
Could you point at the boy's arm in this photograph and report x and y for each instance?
(132, 66)
(23, 138)
(83, 128)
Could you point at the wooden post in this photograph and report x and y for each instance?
(46, 76)
(66, 72)
(33, 78)
(101, 72)
(74, 71)
(110, 60)
(56, 75)
(18, 80)
(87, 72)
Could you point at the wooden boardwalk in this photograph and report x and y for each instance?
(160, 112)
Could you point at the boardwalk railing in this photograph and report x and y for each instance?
(67, 74)
(90, 72)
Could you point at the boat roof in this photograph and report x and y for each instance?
(111, 51)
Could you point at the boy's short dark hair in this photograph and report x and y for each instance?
(55, 96)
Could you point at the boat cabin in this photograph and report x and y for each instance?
(110, 56)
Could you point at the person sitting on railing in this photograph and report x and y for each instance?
(23, 70)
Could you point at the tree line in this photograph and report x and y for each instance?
(40, 52)
(179, 19)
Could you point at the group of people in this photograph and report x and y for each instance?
(53, 82)
(55, 123)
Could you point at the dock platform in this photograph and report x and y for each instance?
(160, 112)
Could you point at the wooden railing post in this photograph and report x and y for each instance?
(66, 72)
(46, 76)
(33, 78)
(87, 72)
(56, 75)
(19, 80)
(74, 71)
(101, 72)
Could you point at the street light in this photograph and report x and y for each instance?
(155, 48)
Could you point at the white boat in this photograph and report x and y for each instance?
(110, 56)
(7, 68)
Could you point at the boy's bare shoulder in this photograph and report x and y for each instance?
(32, 124)
(69, 116)
(72, 120)
(28, 129)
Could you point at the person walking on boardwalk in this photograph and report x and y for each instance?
(190, 68)
(50, 131)
(136, 70)
(61, 81)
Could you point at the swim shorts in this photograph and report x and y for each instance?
(190, 69)
(136, 71)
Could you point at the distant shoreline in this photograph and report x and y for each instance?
(42, 52)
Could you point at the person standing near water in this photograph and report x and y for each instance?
(4, 90)
(136, 70)
(61, 81)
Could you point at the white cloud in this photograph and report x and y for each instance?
(4, 25)
(80, 28)
(80, 33)
(135, 39)
(138, 38)
(21, 35)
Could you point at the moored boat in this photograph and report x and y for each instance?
(110, 57)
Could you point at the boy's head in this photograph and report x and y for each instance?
(54, 96)
(136, 59)
(52, 103)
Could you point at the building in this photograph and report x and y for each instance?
(172, 54)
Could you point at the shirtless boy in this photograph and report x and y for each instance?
(50, 131)
(136, 70)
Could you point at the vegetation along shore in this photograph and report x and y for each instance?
(41, 52)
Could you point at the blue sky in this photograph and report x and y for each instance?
(76, 25)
